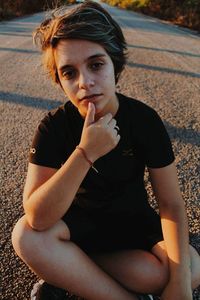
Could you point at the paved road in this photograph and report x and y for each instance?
(163, 71)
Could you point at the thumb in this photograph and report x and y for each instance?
(89, 119)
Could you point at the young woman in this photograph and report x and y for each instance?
(88, 227)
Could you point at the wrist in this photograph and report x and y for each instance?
(85, 156)
(89, 152)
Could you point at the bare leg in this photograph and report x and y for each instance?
(144, 272)
(195, 267)
(60, 262)
(137, 270)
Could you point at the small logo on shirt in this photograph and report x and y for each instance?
(32, 150)
(128, 152)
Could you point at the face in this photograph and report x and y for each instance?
(86, 73)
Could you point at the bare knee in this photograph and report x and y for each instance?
(156, 271)
(20, 236)
(195, 267)
(29, 243)
(160, 253)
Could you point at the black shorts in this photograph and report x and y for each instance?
(94, 232)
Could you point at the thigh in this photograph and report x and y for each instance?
(137, 270)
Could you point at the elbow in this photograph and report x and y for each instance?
(38, 227)
(172, 210)
(171, 205)
(171, 202)
(35, 224)
(35, 221)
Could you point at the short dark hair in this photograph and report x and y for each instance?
(87, 21)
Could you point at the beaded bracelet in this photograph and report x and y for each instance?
(86, 158)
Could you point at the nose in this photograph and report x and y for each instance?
(86, 80)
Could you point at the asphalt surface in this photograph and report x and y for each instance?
(163, 71)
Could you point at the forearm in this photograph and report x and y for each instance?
(48, 203)
(175, 231)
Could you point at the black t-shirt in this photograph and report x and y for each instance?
(119, 185)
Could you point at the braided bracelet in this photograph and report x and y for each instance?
(86, 158)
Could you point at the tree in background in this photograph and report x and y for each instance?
(183, 12)
(10, 8)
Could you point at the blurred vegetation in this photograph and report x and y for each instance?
(182, 12)
(14, 8)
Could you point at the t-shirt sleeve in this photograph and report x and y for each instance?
(156, 145)
(45, 150)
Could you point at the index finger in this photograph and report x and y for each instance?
(89, 119)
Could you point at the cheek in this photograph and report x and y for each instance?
(68, 88)
(112, 73)
(109, 79)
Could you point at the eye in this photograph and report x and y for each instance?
(69, 74)
(96, 66)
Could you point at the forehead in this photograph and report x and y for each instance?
(72, 51)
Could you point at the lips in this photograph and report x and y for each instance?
(90, 97)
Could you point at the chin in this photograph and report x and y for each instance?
(82, 112)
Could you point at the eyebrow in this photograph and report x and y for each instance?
(98, 55)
